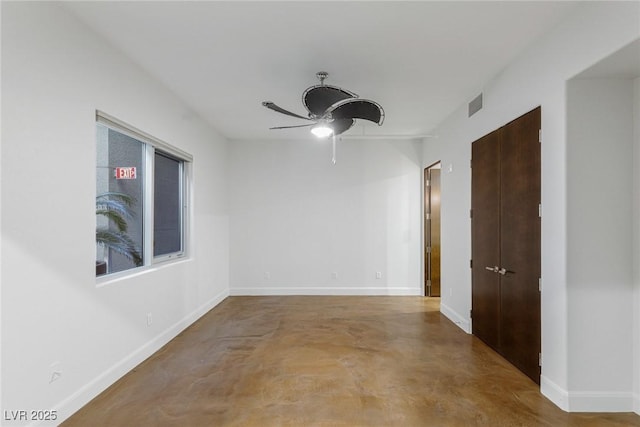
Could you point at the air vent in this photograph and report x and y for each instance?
(475, 105)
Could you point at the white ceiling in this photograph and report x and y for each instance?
(420, 60)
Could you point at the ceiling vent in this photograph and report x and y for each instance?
(475, 105)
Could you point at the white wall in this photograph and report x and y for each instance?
(636, 241)
(537, 77)
(296, 218)
(55, 74)
(599, 242)
(455, 224)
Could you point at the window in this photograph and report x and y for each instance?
(167, 206)
(140, 198)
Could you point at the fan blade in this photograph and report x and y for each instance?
(341, 125)
(290, 127)
(357, 109)
(270, 105)
(317, 99)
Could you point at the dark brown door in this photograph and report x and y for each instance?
(432, 230)
(506, 241)
(520, 243)
(485, 238)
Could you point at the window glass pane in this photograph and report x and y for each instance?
(119, 201)
(167, 218)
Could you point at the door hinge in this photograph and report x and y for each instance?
(539, 210)
(427, 183)
(540, 359)
(470, 213)
(427, 216)
(470, 263)
(470, 314)
(539, 284)
(428, 249)
(429, 283)
(471, 163)
(540, 136)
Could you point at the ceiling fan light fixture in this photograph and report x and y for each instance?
(322, 130)
(331, 110)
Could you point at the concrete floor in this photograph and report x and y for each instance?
(328, 361)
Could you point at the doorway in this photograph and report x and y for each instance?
(432, 230)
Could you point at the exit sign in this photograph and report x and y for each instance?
(125, 173)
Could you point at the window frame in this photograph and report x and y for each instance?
(152, 144)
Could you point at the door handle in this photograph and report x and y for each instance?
(496, 269)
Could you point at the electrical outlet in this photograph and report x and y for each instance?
(149, 319)
(378, 275)
(334, 275)
(267, 275)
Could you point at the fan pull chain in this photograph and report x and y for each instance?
(333, 143)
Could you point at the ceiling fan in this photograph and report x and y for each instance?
(331, 110)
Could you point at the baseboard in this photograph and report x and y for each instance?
(586, 401)
(555, 393)
(636, 403)
(77, 400)
(452, 315)
(325, 291)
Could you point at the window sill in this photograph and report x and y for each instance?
(140, 271)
